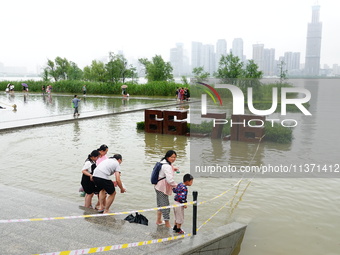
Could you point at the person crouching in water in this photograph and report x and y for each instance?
(101, 178)
(87, 177)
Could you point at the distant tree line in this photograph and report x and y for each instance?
(114, 71)
(230, 69)
(117, 70)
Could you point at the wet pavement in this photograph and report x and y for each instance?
(64, 118)
(47, 236)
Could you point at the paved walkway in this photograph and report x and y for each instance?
(48, 120)
(37, 237)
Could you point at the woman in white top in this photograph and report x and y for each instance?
(86, 179)
(101, 178)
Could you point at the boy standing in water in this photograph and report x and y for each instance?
(181, 197)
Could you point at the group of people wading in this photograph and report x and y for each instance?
(98, 168)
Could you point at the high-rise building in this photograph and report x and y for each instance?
(313, 46)
(237, 48)
(208, 58)
(336, 69)
(196, 54)
(258, 55)
(295, 62)
(221, 49)
(177, 59)
(269, 68)
(292, 61)
(186, 63)
(288, 60)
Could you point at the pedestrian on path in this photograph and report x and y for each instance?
(84, 90)
(75, 102)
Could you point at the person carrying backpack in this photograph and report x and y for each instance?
(164, 187)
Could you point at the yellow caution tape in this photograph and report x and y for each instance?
(115, 247)
(117, 213)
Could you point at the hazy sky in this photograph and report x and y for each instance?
(33, 31)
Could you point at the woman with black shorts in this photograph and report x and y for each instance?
(86, 180)
(101, 178)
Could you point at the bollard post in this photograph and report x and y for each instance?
(194, 214)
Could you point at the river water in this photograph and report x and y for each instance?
(284, 215)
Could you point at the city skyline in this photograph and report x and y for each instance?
(79, 31)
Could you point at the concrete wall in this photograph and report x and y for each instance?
(224, 240)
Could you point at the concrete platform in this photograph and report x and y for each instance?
(59, 119)
(69, 234)
(39, 237)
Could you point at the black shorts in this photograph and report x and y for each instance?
(88, 186)
(107, 185)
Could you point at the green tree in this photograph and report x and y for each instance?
(52, 70)
(199, 74)
(252, 76)
(230, 68)
(185, 81)
(118, 70)
(45, 75)
(131, 73)
(62, 67)
(252, 71)
(74, 72)
(157, 69)
(95, 72)
(282, 71)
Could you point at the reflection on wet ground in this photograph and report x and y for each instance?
(40, 109)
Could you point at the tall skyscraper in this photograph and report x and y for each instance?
(208, 58)
(269, 68)
(313, 46)
(237, 48)
(296, 61)
(258, 55)
(196, 55)
(221, 49)
(288, 58)
(177, 59)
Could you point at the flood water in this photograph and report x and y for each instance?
(284, 215)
